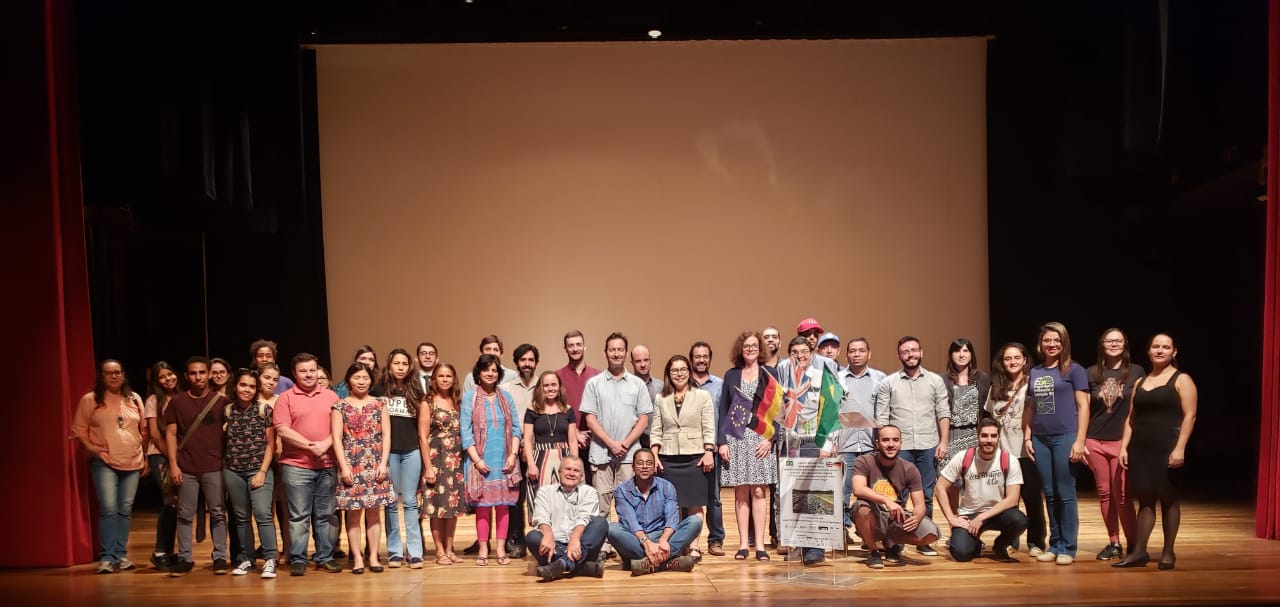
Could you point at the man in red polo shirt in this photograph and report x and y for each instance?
(301, 418)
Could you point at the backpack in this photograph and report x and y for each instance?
(968, 461)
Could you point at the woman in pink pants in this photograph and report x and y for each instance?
(1111, 383)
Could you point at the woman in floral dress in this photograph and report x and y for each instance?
(362, 445)
(442, 470)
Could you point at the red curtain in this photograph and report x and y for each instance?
(50, 352)
(1267, 521)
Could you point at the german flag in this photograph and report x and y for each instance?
(758, 412)
(766, 407)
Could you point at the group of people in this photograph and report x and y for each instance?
(562, 452)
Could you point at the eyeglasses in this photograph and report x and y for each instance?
(750, 348)
(680, 371)
(1113, 342)
(644, 464)
(112, 373)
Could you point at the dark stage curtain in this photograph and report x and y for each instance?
(1267, 521)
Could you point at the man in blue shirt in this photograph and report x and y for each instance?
(649, 535)
(701, 377)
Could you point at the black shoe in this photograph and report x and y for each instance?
(298, 569)
(1110, 551)
(160, 561)
(181, 568)
(894, 553)
(590, 569)
(472, 549)
(331, 566)
(338, 553)
(1003, 554)
(813, 556)
(926, 550)
(553, 571)
(221, 567)
(516, 550)
(1138, 562)
(874, 560)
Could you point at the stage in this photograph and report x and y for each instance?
(1219, 562)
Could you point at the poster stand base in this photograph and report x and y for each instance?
(826, 573)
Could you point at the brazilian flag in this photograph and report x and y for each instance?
(829, 399)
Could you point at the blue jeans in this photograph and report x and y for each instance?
(243, 499)
(630, 548)
(848, 484)
(592, 539)
(406, 472)
(188, 500)
(965, 546)
(116, 490)
(926, 464)
(310, 490)
(715, 510)
(1053, 461)
(167, 522)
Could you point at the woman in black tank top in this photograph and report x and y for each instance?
(1161, 417)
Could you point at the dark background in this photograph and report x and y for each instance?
(1123, 174)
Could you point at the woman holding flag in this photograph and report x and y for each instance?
(750, 404)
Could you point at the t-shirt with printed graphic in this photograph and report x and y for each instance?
(1109, 405)
(984, 482)
(1055, 398)
(246, 436)
(404, 422)
(895, 482)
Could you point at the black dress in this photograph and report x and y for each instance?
(1157, 421)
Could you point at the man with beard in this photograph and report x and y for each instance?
(521, 388)
(568, 530)
(649, 534)
(701, 377)
(915, 400)
(883, 483)
(573, 379)
(772, 345)
(986, 488)
(428, 356)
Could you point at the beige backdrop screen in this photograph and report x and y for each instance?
(673, 191)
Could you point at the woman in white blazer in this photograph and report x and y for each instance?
(682, 434)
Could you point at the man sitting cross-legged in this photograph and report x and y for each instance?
(649, 535)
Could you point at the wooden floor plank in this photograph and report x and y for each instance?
(1219, 562)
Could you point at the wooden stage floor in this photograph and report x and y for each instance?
(1219, 562)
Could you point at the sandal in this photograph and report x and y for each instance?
(444, 560)
(762, 555)
(740, 555)
(482, 561)
(504, 560)
(455, 558)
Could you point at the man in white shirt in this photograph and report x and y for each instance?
(985, 484)
(568, 530)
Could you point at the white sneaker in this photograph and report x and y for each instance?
(1065, 559)
(1035, 551)
(243, 568)
(106, 567)
(1046, 557)
(269, 569)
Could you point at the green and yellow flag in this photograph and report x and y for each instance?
(829, 399)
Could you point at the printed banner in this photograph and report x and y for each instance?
(811, 502)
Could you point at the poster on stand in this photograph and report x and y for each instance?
(811, 502)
